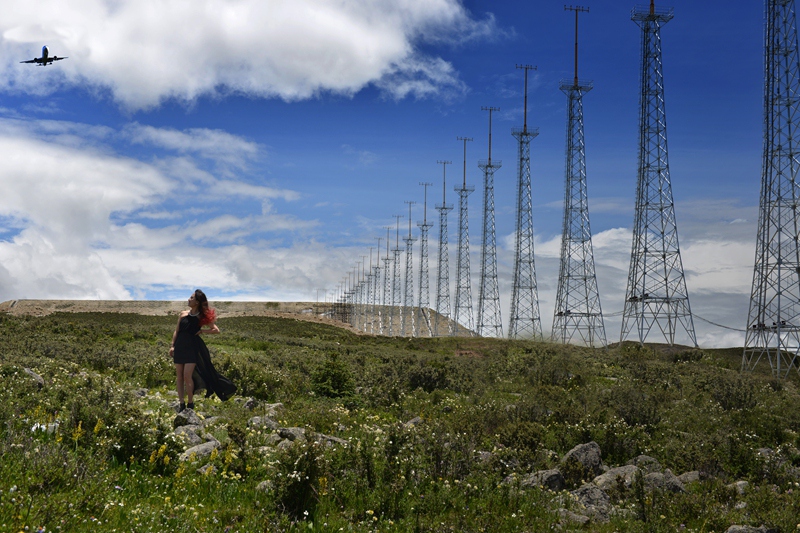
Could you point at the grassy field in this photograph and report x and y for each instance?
(400, 434)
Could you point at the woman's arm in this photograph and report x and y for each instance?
(213, 329)
(175, 334)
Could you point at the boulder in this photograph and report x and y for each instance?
(740, 487)
(272, 409)
(140, 393)
(292, 434)
(584, 460)
(36, 377)
(615, 476)
(594, 500)
(548, 479)
(200, 451)
(185, 418)
(263, 421)
(250, 404)
(667, 482)
(689, 477)
(417, 420)
(575, 518)
(646, 464)
(328, 440)
(190, 434)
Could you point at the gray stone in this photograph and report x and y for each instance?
(689, 477)
(594, 500)
(36, 377)
(483, 456)
(210, 421)
(185, 418)
(265, 486)
(616, 476)
(329, 440)
(293, 434)
(587, 458)
(667, 482)
(189, 434)
(549, 479)
(272, 409)
(413, 422)
(200, 451)
(263, 421)
(285, 444)
(573, 517)
(140, 393)
(646, 464)
(250, 404)
(207, 470)
(740, 487)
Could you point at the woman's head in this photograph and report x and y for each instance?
(207, 315)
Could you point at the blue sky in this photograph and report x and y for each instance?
(256, 149)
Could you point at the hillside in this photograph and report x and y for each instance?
(336, 431)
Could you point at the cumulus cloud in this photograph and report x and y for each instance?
(79, 220)
(146, 51)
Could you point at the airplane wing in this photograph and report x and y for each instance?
(31, 61)
(56, 58)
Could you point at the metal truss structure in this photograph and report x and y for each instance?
(489, 320)
(656, 298)
(397, 294)
(386, 319)
(578, 317)
(773, 323)
(524, 322)
(424, 295)
(443, 271)
(407, 329)
(463, 312)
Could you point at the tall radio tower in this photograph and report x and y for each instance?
(443, 278)
(463, 311)
(525, 321)
(397, 294)
(489, 321)
(376, 291)
(424, 296)
(386, 325)
(408, 301)
(656, 297)
(577, 316)
(773, 323)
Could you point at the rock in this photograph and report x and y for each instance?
(689, 477)
(285, 444)
(667, 481)
(573, 517)
(292, 434)
(646, 464)
(596, 502)
(483, 456)
(616, 476)
(417, 420)
(584, 460)
(750, 529)
(265, 486)
(185, 418)
(549, 479)
(207, 470)
(273, 439)
(189, 434)
(740, 487)
(272, 409)
(36, 377)
(263, 421)
(140, 393)
(210, 421)
(250, 404)
(200, 451)
(329, 440)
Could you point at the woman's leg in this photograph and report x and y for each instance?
(188, 370)
(179, 382)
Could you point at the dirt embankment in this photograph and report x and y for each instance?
(309, 311)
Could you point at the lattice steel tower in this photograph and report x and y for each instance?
(376, 291)
(424, 295)
(489, 321)
(577, 315)
(408, 291)
(443, 272)
(773, 323)
(656, 297)
(524, 321)
(463, 312)
(386, 309)
(397, 289)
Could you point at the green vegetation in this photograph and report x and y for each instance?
(88, 450)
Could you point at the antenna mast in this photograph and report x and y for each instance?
(443, 271)
(424, 297)
(408, 302)
(525, 321)
(489, 321)
(463, 312)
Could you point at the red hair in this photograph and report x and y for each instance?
(208, 316)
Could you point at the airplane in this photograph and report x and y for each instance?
(45, 59)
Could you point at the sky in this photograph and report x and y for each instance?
(257, 149)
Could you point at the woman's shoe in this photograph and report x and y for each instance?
(190, 406)
(181, 407)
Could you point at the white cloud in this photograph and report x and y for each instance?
(145, 51)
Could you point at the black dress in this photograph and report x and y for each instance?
(190, 348)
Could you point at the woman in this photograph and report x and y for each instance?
(193, 368)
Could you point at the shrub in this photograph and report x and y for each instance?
(333, 378)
